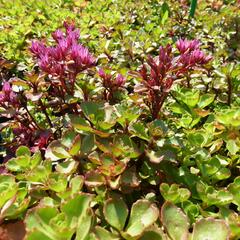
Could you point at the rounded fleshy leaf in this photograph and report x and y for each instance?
(175, 221)
(116, 212)
(94, 179)
(56, 151)
(84, 226)
(103, 234)
(8, 188)
(23, 151)
(143, 214)
(153, 233)
(174, 193)
(210, 229)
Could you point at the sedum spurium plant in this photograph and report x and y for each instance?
(98, 157)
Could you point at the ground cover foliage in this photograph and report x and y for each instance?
(120, 119)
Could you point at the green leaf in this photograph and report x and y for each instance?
(115, 212)
(67, 167)
(110, 118)
(197, 138)
(94, 179)
(84, 226)
(127, 145)
(211, 196)
(129, 179)
(234, 188)
(230, 117)
(143, 214)
(192, 210)
(57, 182)
(40, 173)
(232, 147)
(72, 141)
(35, 159)
(139, 130)
(76, 207)
(222, 174)
(127, 113)
(23, 151)
(205, 100)
(103, 234)
(164, 17)
(76, 184)
(193, 8)
(158, 128)
(8, 188)
(80, 123)
(95, 113)
(38, 220)
(174, 193)
(36, 235)
(93, 109)
(17, 205)
(153, 233)
(189, 96)
(56, 151)
(19, 164)
(155, 157)
(210, 229)
(88, 144)
(175, 221)
(110, 166)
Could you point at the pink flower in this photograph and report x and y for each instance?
(120, 80)
(7, 95)
(184, 45)
(158, 74)
(107, 79)
(81, 57)
(165, 54)
(194, 58)
(37, 48)
(69, 26)
(73, 37)
(7, 88)
(67, 58)
(102, 74)
(45, 63)
(62, 47)
(56, 53)
(58, 35)
(110, 82)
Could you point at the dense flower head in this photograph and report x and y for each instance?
(110, 81)
(159, 68)
(159, 74)
(167, 67)
(66, 56)
(35, 140)
(38, 48)
(184, 45)
(190, 54)
(58, 35)
(7, 95)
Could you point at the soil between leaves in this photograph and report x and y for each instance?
(12, 231)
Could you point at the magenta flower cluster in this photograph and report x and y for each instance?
(67, 58)
(168, 67)
(191, 54)
(7, 96)
(111, 83)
